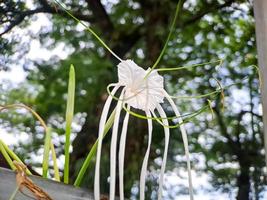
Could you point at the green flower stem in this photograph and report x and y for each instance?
(88, 29)
(178, 7)
(92, 152)
(191, 66)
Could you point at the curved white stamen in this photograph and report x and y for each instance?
(99, 146)
(145, 161)
(185, 141)
(122, 152)
(164, 160)
(113, 149)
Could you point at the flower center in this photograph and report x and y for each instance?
(141, 92)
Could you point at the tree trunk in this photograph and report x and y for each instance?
(243, 183)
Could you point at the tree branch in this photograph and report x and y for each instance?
(46, 8)
(20, 19)
(208, 9)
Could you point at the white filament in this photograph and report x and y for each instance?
(113, 149)
(145, 161)
(185, 141)
(164, 160)
(122, 153)
(99, 146)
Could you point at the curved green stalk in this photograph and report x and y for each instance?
(88, 29)
(190, 66)
(14, 156)
(178, 7)
(7, 157)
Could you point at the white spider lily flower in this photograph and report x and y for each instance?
(144, 90)
(141, 92)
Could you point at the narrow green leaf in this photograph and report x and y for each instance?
(6, 156)
(69, 116)
(54, 158)
(92, 152)
(14, 156)
(13, 195)
(46, 152)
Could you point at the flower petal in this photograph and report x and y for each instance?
(142, 91)
(122, 152)
(102, 123)
(185, 141)
(164, 160)
(113, 149)
(145, 161)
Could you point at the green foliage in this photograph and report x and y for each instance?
(233, 136)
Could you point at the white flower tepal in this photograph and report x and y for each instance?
(141, 92)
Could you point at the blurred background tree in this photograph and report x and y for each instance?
(228, 147)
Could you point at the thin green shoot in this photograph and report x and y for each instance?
(46, 152)
(220, 61)
(55, 166)
(178, 8)
(259, 74)
(192, 115)
(222, 94)
(14, 156)
(88, 29)
(69, 117)
(14, 193)
(211, 109)
(7, 157)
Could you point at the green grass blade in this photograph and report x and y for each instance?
(92, 152)
(46, 152)
(69, 116)
(6, 156)
(54, 158)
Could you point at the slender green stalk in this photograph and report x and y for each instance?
(6, 156)
(178, 7)
(13, 195)
(69, 116)
(54, 158)
(88, 29)
(92, 152)
(14, 156)
(46, 152)
(188, 67)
